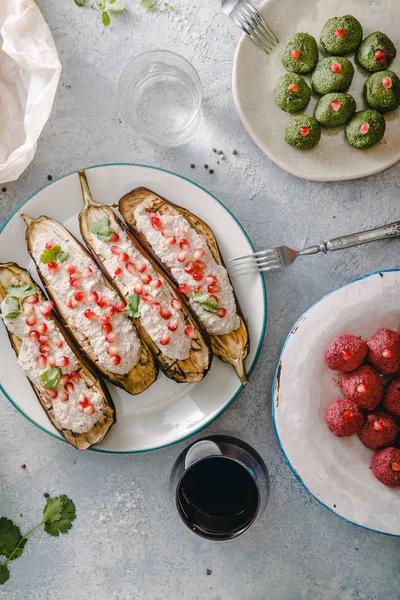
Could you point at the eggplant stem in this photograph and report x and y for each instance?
(28, 220)
(88, 199)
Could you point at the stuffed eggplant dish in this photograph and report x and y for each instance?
(69, 391)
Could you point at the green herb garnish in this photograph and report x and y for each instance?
(156, 5)
(54, 254)
(11, 309)
(51, 377)
(102, 229)
(105, 7)
(58, 514)
(209, 304)
(132, 308)
(15, 295)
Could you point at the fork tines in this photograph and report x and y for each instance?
(253, 24)
(265, 260)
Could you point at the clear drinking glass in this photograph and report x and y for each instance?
(159, 94)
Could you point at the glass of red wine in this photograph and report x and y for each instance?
(220, 485)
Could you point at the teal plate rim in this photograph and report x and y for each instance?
(256, 356)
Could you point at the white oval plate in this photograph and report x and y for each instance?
(166, 412)
(256, 73)
(334, 470)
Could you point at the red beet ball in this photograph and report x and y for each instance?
(385, 466)
(364, 386)
(384, 351)
(379, 430)
(391, 397)
(344, 418)
(345, 353)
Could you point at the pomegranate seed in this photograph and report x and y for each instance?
(336, 67)
(146, 278)
(304, 131)
(94, 297)
(34, 335)
(72, 303)
(213, 289)
(42, 328)
(166, 314)
(75, 283)
(120, 306)
(211, 280)
(173, 325)
(51, 360)
(295, 54)
(181, 257)
(52, 266)
(112, 350)
(141, 267)
(116, 250)
(362, 388)
(52, 393)
(88, 272)
(63, 361)
(396, 466)
(293, 88)
(64, 397)
(70, 269)
(199, 288)
(156, 306)
(155, 283)
(379, 426)
(184, 288)
(171, 241)
(30, 320)
(165, 339)
(148, 298)
(336, 105)
(116, 360)
(44, 348)
(379, 54)
(49, 245)
(103, 301)
(199, 253)
(130, 267)
(340, 32)
(89, 410)
(364, 128)
(64, 380)
(29, 309)
(42, 361)
(46, 307)
(79, 296)
(69, 387)
(345, 354)
(83, 400)
(156, 223)
(118, 271)
(199, 265)
(221, 313)
(75, 376)
(214, 297)
(106, 328)
(198, 275)
(184, 244)
(123, 257)
(105, 319)
(189, 268)
(138, 289)
(59, 342)
(114, 237)
(89, 314)
(33, 299)
(176, 304)
(387, 353)
(112, 337)
(348, 415)
(43, 338)
(110, 310)
(190, 332)
(165, 232)
(387, 83)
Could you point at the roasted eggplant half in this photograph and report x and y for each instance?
(88, 306)
(186, 247)
(70, 392)
(177, 340)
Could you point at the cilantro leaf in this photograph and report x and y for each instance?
(58, 515)
(11, 309)
(115, 7)
(10, 537)
(53, 254)
(102, 228)
(105, 17)
(148, 4)
(209, 304)
(20, 291)
(51, 377)
(80, 2)
(132, 307)
(4, 574)
(62, 256)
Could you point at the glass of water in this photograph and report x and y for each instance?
(159, 94)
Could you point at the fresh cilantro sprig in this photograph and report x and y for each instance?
(102, 228)
(51, 377)
(156, 5)
(105, 7)
(132, 307)
(58, 515)
(209, 304)
(15, 296)
(53, 254)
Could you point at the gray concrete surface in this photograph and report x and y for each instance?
(127, 542)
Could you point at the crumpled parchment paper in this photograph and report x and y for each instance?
(29, 74)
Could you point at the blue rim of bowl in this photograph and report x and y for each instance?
(260, 343)
(295, 473)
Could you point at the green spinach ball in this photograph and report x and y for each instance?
(376, 52)
(292, 93)
(365, 129)
(334, 109)
(341, 35)
(332, 74)
(300, 54)
(382, 91)
(302, 132)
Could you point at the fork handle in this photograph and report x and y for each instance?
(355, 239)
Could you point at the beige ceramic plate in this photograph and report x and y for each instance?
(255, 75)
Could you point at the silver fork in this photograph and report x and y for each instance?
(247, 17)
(278, 258)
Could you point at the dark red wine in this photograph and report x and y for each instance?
(218, 497)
